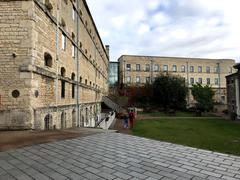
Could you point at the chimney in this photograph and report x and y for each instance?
(107, 50)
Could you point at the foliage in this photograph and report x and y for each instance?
(204, 97)
(169, 92)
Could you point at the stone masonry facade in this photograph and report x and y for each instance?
(53, 65)
(137, 70)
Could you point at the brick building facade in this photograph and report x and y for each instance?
(53, 65)
(137, 70)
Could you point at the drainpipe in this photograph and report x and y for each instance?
(57, 52)
(219, 83)
(123, 72)
(151, 80)
(188, 97)
(78, 68)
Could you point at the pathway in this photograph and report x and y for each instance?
(116, 156)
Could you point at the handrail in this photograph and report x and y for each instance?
(108, 120)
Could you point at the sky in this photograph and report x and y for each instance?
(179, 28)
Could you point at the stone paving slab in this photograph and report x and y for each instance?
(116, 156)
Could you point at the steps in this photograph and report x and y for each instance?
(112, 104)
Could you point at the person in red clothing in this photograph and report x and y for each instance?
(131, 117)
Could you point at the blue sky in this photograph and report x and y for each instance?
(183, 28)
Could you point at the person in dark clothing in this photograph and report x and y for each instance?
(125, 121)
(131, 117)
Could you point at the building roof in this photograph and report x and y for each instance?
(180, 58)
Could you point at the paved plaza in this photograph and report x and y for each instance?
(116, 156)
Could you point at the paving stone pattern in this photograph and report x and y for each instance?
(116, 156)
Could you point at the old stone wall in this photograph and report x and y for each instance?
(58, 49)
(15, 51)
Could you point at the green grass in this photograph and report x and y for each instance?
(214, 134)
(178, 114)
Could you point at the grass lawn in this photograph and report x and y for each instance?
(178, 114)
(214, 134)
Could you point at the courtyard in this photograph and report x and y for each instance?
(116, 156)
(208, 132)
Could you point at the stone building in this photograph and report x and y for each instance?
(53, 65)
(233, 92)
(137, 70)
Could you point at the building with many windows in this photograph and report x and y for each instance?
(53, 65)
(138, 70)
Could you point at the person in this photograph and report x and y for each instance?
(131, 117)
(125, 121)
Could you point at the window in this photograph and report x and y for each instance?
(128, 79)
(216, 81)
(138, 79)
(62, 89)
(200, 80)
(147, 79)
(73, 13)
(86, 81)
(230, 70)
(191, 68)
(147, 67)
(208, 81)
(138, 67)
(63, 42)
(73, 50)
(66, 1)
(156, 67)
(63, 71)
(183, 68)
(174, 68)
(216, 69)
(191, 80)
(80, 79)
(48, 59)
(199, 69)
(128, 67)
(73, 86)
(48, 5)
(223, 98)
(207, 69)
(165, 68)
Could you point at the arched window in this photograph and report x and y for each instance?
(48, 59)
(63, 120)
(74, 122)
(73, 76)
(183, 68)
(63, 72)
(48, 5)
(73, 36)
(86, 117)
(48, 122)
(63, 24)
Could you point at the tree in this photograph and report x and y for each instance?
(204, 97)
(169, 92)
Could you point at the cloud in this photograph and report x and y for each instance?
(196, 28)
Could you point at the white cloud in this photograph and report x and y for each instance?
(196, 28)
(143, 28)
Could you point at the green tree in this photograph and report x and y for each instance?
(204, 97)
(169, 92)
